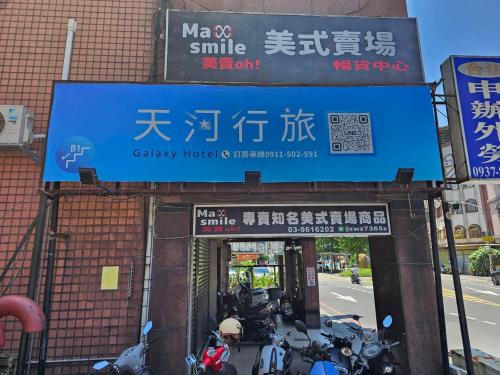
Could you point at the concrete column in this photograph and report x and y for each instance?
(289, 271)
(311, 291)
(404, 287)
(169, 289)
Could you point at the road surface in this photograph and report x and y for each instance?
(482, 305)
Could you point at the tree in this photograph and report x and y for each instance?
(480, 261)
(263, 259)
(349, 245)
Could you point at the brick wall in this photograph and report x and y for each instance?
(113, 42)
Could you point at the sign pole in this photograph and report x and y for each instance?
(439, 287)
(458, 289)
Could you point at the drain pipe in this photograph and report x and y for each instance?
(148, 261)
(49, 277)
(69, 49)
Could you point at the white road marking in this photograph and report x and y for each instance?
(482, 291)
(468, 317)
(347, 298)
(485, 321)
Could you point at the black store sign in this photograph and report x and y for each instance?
(242, 47)
(292, 220)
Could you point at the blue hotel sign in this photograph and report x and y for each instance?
(472, 85)
(169, 133)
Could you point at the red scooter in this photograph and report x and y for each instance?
(214, 358)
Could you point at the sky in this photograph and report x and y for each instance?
(455, 27)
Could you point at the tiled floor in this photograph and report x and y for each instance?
(244, 360)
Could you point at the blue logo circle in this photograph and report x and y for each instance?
(75, 152)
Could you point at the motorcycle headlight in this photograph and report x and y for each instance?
(387, 369)
(371, 350)
(346, 351)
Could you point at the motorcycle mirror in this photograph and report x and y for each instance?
(100, 365)
(329, 323)
(300, 327)
(387, 321)
(147, 328)
(356, 317)
(190, 360)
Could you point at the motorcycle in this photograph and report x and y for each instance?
(271, 356)
(253, 319)
(340, 351)
(286, 308)
(495, 277)
(214, 358)
(375, 356)
(355, 279)
(131, 360)
(311, 360)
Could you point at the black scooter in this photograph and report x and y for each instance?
(355, 279)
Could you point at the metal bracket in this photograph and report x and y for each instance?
(31, 154)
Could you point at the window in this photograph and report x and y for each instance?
(459, 232)
(475, 231)
(448, 160)
(457, 208)
(471, 205)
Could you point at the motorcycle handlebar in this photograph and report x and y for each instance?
(326, 335)
(389, 346)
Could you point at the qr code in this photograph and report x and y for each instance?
(350, 133)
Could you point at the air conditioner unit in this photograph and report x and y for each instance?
(16, 126)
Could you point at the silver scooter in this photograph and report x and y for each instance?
(131, 360)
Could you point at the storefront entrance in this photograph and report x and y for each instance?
(402, 274)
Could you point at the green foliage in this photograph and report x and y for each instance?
(480, 261)
(263, 258)
(246, 263)
(447, 268)
(265, 281)
(349, 245)
(363, 272)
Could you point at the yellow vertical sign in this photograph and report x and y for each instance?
(109, 277)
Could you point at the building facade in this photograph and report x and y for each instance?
(474, 214)
(149, 236)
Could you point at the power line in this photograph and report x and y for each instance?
(357, 10)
